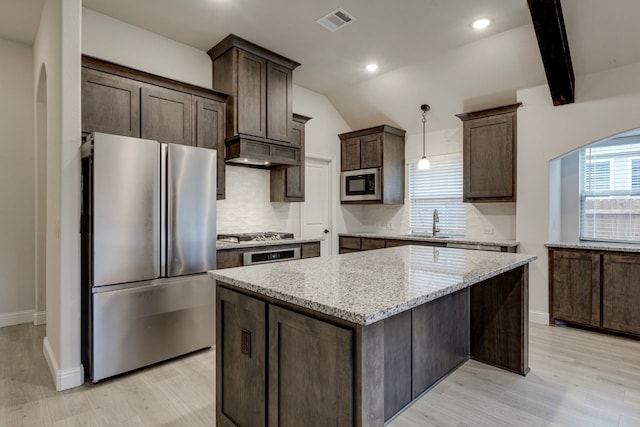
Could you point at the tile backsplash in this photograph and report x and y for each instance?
(495, 221)
(247, 207)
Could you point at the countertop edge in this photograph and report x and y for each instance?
(223, 246)
(503, 243)
(595, 246)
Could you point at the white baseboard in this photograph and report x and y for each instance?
(40, 318)
(63, 379)
(16, 318)
(538, 317)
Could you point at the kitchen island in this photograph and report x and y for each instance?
(353, 339)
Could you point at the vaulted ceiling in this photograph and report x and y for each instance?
(426, 49)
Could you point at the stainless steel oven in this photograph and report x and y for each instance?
(360, 185)
(273, 255)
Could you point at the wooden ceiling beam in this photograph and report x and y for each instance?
(548, 23)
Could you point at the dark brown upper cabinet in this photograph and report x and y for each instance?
(166, 115)
(123, 101)
(209, 133)
(489, 154)
(260, 110)
(377, 147)
(287, 183)
(110, 104)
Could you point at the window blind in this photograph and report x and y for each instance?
(610, 192)
(437, 188)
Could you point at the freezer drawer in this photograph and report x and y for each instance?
(157, 320)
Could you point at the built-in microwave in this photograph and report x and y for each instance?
(361, 185)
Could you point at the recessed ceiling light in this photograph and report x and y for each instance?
(481, 24)
(371, 67)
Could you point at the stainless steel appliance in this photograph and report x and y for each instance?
(148, 235)
(361, 185)
(271, 255)
(254, 237)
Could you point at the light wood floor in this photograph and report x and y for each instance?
(577, 378)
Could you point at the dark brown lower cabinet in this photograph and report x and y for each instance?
(598, 289)
(240, 360)
(575, 291)
(310, 371)
(621, 293)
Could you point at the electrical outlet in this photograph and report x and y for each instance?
(245, 342)
(488, 230)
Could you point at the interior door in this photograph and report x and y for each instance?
(316, 212)
(191, 210)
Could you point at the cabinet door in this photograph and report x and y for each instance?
(210, 129)
(310, 371)
(575, 286)
(279, 102)
(621, 293)
(369, 243)
(166, 116)
(251, 103)
(371, 151)
(240, 359)
(110, 104)
(488, 155)
(295, 174)
(350, 156)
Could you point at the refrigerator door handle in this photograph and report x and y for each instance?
(164, 207)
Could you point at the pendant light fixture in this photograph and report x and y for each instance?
(424, 163)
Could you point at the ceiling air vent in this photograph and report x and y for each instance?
(336, 19)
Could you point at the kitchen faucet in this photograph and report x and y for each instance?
(436, 220)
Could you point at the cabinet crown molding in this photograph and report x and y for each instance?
(232, 41)
(489, 112)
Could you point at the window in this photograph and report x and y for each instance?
(610, 192)
(437, 188)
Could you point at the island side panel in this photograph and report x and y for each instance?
(369, 375)
(397, 363)
(240, 360)
(440, 339)
(500, 321)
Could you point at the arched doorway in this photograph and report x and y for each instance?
(40, 158)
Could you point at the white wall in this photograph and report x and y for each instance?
(116, 41)
(57, 50)
(17, 249)
(606, 103)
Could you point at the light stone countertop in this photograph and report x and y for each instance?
(596, 246)
(426, 238)
(252, 243)
(366, 287)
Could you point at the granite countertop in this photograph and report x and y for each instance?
(420, 238)
(366, 287)
(596, 246)
(252, 243)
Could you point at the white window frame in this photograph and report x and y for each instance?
(458, 227)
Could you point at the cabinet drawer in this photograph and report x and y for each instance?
(350, 243)
(228, 259)
(310, 250)
(394, 243)
(367, 244)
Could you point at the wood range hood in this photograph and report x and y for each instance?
(259, 122)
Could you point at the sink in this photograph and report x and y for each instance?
(426, 235)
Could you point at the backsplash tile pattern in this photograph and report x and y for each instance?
(248, 208)
(495, 221)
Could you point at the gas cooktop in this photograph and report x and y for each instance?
(254, 237)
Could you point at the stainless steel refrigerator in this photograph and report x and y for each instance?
(148, 237)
